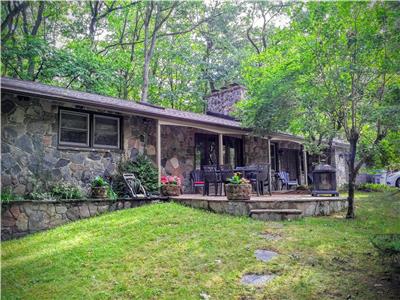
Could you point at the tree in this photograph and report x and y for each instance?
(336, 63)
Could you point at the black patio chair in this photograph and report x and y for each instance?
(263, 177)
(196, 180)
(134, 185)
(251, 173)
(226, 172)
(211, 177)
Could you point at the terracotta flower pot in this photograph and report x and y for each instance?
(99, 192)
(170, 190)
(238, 191)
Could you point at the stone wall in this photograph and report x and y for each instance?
(24, 217)
(177, 152)
(223, 101)
(31, 156)
(255, 150)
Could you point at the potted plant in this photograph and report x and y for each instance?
(238, 188)
(171, 186)
(99, 188)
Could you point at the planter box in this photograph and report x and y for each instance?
(238, 191)
(170, 190)
(99, 192)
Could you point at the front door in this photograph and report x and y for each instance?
(206, 150)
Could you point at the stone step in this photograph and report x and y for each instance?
(276, 214)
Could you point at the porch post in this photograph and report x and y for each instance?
(269, 165)
(305, 166)
(220, 149)
(158, 148)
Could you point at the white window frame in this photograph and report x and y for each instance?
(118, 130)
(87, 115)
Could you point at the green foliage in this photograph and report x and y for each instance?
(66, 191)
(7, 195)
(144, 170)
(375, 187)
(237, 178)
(387, 244)
(99, 181)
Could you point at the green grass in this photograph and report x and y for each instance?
(167, 251)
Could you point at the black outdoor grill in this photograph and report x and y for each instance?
(324, 180)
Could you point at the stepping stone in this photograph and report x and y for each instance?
(265, 255)
(256, 280)
(271, 236)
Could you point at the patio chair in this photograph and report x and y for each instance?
(196, 180)
(253, 177)
(263, 177)
(134, 185)
(284, 178)
(226, 172)
(211, 177)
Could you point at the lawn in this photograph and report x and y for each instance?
(167, 251)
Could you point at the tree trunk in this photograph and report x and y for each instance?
(352, 177)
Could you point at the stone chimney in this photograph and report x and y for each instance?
(221, 102)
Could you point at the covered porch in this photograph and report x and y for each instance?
(183, 148)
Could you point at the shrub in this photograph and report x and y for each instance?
(375, 187)
(99, 182)
(66, 191)
(143, 169)
(7, 195)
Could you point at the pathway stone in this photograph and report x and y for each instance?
(256, 280)
(271, 236)
(265, 255)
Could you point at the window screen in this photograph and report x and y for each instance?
(74, 128)
(106, 131)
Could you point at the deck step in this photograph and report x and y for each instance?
(275, 214)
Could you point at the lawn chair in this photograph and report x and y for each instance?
(284, 178)
(134, 185)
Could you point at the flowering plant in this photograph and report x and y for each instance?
(172, 180)
(238, 179)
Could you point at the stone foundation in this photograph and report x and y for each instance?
(321, 206)
(24, 217)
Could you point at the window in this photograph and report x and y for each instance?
(74, 128)
(86, 129)
(105, 131)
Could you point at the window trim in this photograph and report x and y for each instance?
(118, 131)
(73, 112)
(90, 115)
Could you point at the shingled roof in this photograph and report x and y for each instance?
(35, 89)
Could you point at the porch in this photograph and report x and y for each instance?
(183, 149)
(279, 206)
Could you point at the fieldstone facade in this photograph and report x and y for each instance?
(255, 150)
(32, 158)
(223, 101)
(24, 217)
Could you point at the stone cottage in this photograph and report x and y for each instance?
(56, 134)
